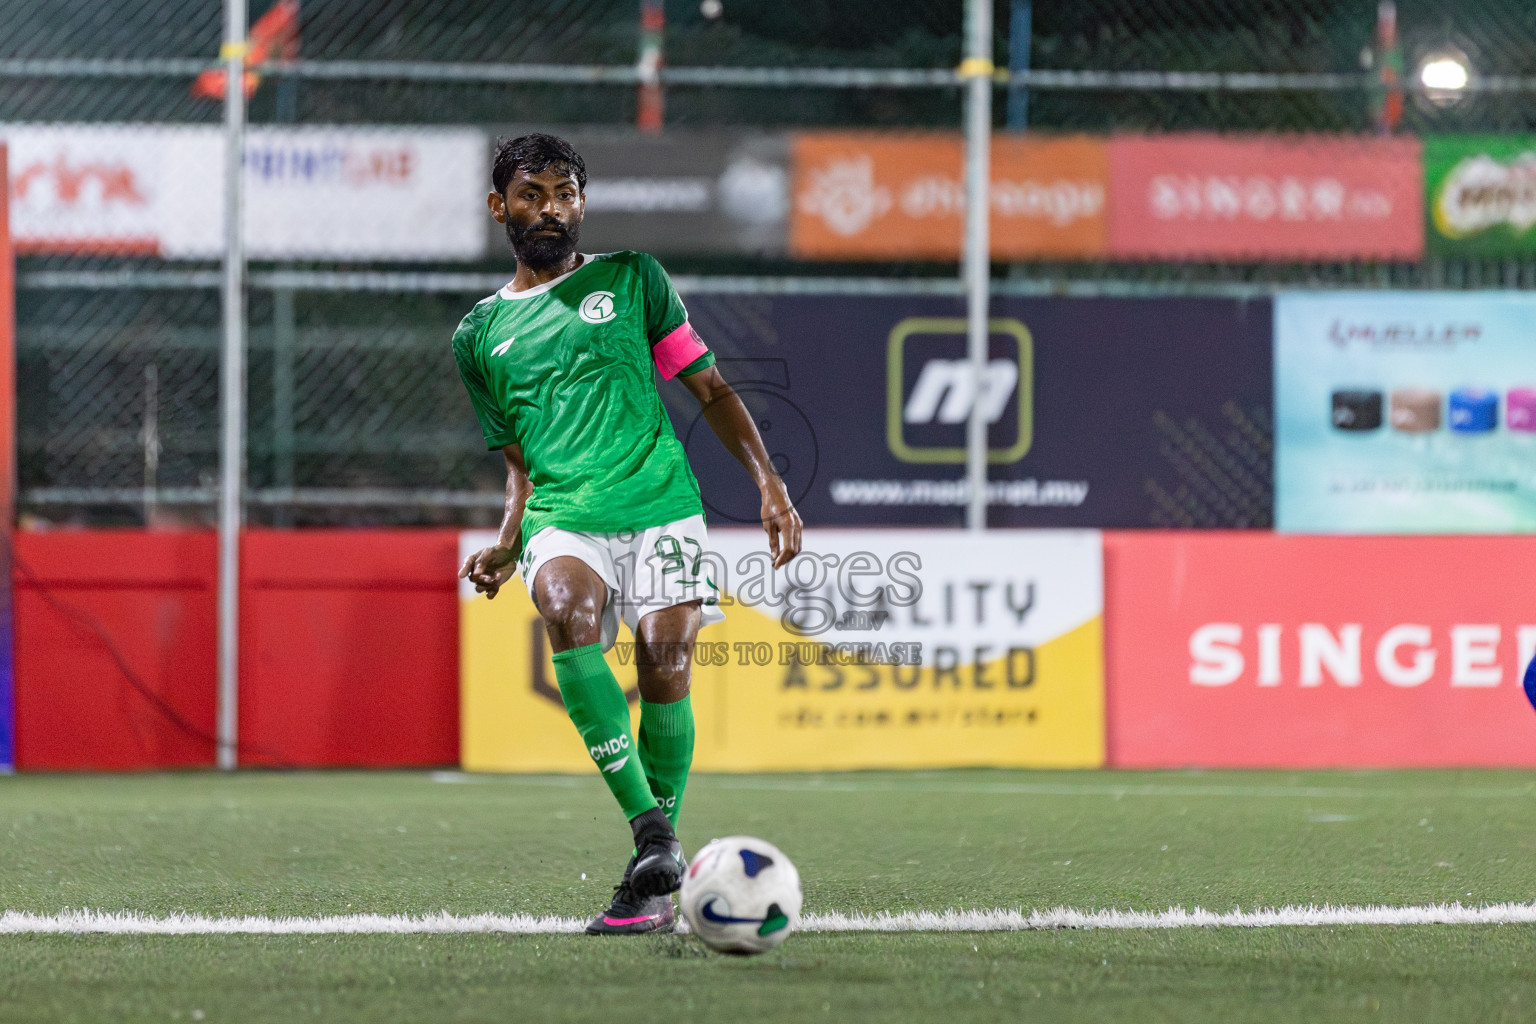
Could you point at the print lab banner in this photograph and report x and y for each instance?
(880, 196)
(1258, 650)
(1482, 195)
(1405, 412)
(364, 193)
(1102, 412)
(873, 649)
(1275, 198)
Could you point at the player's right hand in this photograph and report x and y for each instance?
(489, 568)
(782, 523)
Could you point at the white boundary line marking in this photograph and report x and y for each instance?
(1068, 789)
(80, 922)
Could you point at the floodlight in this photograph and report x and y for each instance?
(1444, 74)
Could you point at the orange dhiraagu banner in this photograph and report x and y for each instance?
(873, 649)
(1257, 650)
(1274, 198)
(880, 196)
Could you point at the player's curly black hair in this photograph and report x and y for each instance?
(535, 153)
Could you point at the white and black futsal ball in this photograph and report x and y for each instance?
(741, 895)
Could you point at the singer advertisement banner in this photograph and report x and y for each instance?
(1309, 197)
(1228, 650)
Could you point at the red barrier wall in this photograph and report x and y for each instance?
(349, 648)
(79, 595)
(1257, 650)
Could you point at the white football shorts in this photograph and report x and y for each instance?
(644, 570)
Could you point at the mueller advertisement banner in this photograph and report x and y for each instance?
(1256, 650)
(1103, 412)
(680, 192)
(1482, 195)
(1405, 412)
(374, 193)
(872, 649)
(881, 196)
(1265, 198)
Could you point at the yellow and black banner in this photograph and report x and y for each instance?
(872, 649)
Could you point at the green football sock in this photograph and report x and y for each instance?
(596, 705)
(666, 751)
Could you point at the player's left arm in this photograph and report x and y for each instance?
(733, 425)
(678, 351)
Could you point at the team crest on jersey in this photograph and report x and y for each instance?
(597, 308)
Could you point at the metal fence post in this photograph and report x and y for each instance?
(232, 384)
(650, 105)
(284, 345)
(9, 462)
(977, 70)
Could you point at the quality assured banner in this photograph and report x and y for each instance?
(881, 196)
(1101, 412)
(1259, 651)
(1265, 198)
(360, 193)
(872, 649)
(1405, 412)
(1482, 195)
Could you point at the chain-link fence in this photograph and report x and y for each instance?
(355, 412)
(572, 61)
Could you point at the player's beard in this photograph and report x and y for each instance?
(539, 253)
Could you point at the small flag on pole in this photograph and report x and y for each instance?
(274, 36)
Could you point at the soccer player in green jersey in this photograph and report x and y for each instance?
(603, 516)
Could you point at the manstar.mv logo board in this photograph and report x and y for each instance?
(930, 390)
(597, 308)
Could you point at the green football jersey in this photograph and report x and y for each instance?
(566, 370)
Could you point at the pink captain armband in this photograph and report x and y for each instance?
(677, 350)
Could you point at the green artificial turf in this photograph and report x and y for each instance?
(408, 843)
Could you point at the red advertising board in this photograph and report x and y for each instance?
(1264, 198)
(115, 649)
(1258, 650)
(343, 665)
(339, 664)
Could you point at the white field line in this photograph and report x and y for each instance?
(1067, 789)
(78, 922)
